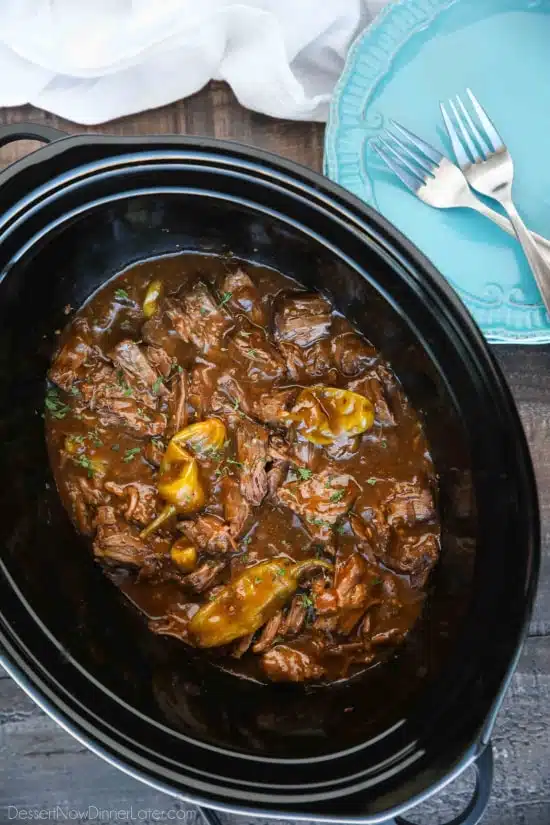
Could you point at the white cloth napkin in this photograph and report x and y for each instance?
(94, 60)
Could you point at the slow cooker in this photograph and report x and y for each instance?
(76, 212)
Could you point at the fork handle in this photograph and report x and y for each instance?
(543, 244)
(539, 264)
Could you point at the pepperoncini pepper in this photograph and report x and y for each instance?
(249, 601)
(325, 414)
(184, 554)
(203, 437)
(179, 485)
(152, 297)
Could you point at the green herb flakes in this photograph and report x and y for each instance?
(86, 463)
(55, 405)
(94, 437)
(319, 522)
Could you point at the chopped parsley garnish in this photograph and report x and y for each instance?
(75, 391)
(225, 297)
(319, 521)
(123, 384)
(55, 405)
(179, 368)
(384, 442)
(93, 435)
(253, 353)
(341, 529)
(306, 599)
(213, 454)
(258, 579)
(86, 463)
(121, 294)
(157, 385)
(371, 481)
(337, 496)
(236, 405)
(304, 473)
(247, 540)
(234, 461)
(130, 454)
(204, 311)
(376, 580)
(115, 448)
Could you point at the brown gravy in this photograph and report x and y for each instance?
(105, 445)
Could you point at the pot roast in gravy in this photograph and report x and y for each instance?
(246, 466)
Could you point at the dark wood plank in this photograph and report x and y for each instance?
(42, 766)
(212, 111)
(527, 370)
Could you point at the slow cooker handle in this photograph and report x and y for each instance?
(210, 816)
(29, 131)
(483, 767)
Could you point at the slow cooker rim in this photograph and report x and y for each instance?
(425, 266)
(107, 754)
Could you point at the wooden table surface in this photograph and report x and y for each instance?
(42, 767)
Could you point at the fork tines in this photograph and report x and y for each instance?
(469, 144)
(412, 160)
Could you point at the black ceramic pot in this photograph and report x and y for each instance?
(76, 212)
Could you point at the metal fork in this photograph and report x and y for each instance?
(435, 179)
(488, 166)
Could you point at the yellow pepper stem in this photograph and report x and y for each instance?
(167, 513)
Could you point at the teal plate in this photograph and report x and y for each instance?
(416, 53)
